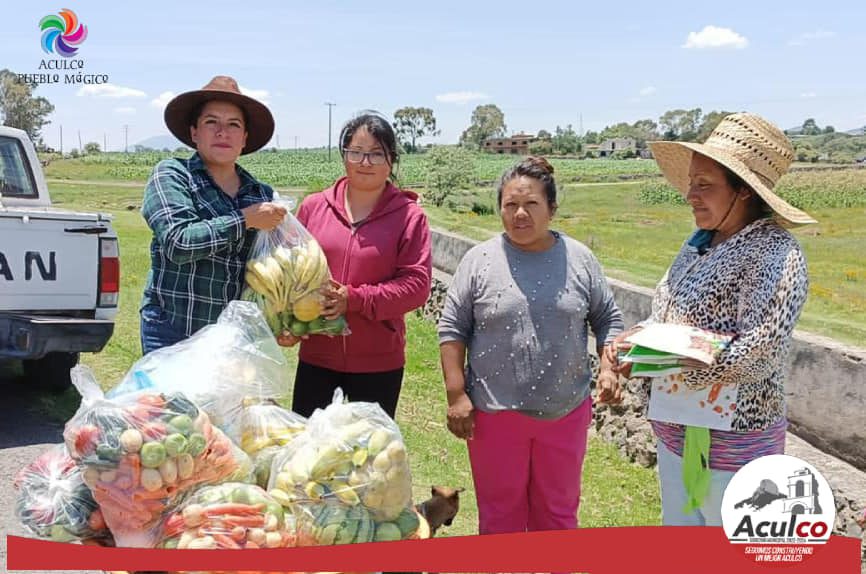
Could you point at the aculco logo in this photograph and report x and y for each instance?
(778, 508)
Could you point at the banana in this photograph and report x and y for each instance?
(255, 283)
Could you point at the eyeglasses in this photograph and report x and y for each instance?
(357, 156)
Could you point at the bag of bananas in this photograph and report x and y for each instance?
(284, 274)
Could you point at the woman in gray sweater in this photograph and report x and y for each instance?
(513, 341)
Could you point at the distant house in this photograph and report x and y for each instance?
(610, 146)
(516, 144)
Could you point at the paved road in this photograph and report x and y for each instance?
(24, 434)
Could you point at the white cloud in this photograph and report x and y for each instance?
(260, 95)
(460, 97)
(162, 100)
(110, 91)
(808, 95)
(125, 111)
(647, 91)
(819, 34)
(715, 37)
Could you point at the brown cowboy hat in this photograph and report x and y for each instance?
(749, 146)
(260, 122)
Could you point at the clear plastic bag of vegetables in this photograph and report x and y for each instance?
(264, 427)
(284, 274)
(140, 452)
(228, 516)
(53, 502)
(350, 464)
(265, 423)
(218, 368)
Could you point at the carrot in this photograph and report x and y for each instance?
(246, 521)
(133, 462)
(174, 521)
(139, 495)
(235, 508)
(225, 541)
(108, 496)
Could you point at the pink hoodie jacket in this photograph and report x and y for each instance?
(385, 261)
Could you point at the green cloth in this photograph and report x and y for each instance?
(696, 467)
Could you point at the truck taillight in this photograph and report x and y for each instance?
(109, 273)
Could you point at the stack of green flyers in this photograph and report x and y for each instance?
(662, 349)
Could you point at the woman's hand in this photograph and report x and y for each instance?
(286, 339)
(609, 389)
(461, 418)
(335, 300)
(617, 346)
(264, 216)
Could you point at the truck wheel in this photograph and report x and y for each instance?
(51, 372)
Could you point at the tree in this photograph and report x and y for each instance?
(543, 135)
(681, 124)
(709, 123)
(19, 108)
(829, 130)
(590, 137)
(412, 124)
(541, 147)
(644, 131)
(641, 131)
(565, 140)
(449, 169)
(488, 121)
(91, 148)
(620, 130)
(810, 128)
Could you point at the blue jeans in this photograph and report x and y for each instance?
(156, 330)
(674, 493)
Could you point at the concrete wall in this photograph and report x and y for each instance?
(826, 387)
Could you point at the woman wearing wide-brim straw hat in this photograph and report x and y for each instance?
(202, 211)
(740, 273)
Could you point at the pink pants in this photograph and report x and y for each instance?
(527, 470)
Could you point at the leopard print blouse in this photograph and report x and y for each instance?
(754, 284)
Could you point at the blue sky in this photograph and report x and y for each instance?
(543, 63)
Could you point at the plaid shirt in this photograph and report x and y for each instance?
(200, 242)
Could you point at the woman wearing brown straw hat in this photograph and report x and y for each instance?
(740, 273)
(201, 210)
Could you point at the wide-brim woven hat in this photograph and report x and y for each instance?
(749, 146)
(260, 122)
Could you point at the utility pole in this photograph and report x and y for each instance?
(61, 139)
(80, 147)
(125, 138)
(278, 141)
(330, 107)
(104, 142)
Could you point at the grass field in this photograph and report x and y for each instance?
(311, 168)
(615, 492)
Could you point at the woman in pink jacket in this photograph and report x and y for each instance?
(377, 242)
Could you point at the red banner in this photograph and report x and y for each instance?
(593, 550)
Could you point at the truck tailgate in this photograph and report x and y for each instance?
(48, 263)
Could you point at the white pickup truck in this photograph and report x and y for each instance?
(59, 271)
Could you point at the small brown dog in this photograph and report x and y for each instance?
(441, 508)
